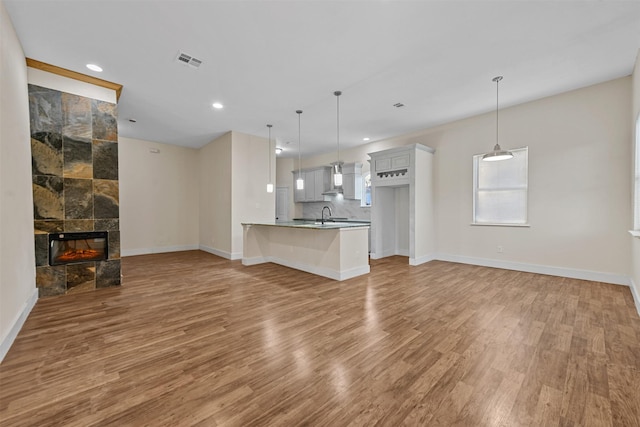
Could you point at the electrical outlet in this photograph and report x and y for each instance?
(500, 249)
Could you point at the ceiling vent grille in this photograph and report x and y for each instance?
(185, 58)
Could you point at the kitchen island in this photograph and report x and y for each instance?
(337, 250)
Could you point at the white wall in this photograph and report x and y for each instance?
(18, 293)
(579, 204)
(284, 178)
(234, 170)
(159, 194)
(250, 201)
(215, 196)
(635, 242)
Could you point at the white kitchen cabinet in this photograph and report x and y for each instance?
(316, 182)
(352, 181)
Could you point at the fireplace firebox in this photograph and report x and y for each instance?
(69, 248)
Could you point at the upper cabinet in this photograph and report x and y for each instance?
(352, 181)
(316, 182)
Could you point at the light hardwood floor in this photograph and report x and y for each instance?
(193, 339)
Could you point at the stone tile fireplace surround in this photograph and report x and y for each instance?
(74, 149)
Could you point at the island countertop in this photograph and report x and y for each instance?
(336, 250)
(311, 224)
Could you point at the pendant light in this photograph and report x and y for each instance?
(270, 184)
(337, 166)
(497, 153)
(299, 181)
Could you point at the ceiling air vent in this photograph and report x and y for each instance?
(185, 58)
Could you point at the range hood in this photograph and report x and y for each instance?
(333, 191)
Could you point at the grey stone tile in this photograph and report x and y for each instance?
(104, 124)
(78, 198)
(45, 110)
(82, 276)
(105, 160)
(51, 280)
(46, 154)
(105, 198)
(111, 224)
(47, 197)
(108, 273)
(78, 159)
(76, 117)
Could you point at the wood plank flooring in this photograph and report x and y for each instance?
(193, 339)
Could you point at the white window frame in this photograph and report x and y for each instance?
(478, 158)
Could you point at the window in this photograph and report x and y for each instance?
(636, 183)
(500, 190)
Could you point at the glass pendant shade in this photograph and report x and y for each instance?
(299, 181)
(269, 185)
(337, 174)
(337, 166)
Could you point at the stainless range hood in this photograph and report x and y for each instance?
(334, 191)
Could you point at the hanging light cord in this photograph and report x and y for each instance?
(299, 168)
(269, 157)
(337, 94)
(497, 80)
(497, 88)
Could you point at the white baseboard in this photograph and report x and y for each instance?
(634, 293)
(158, 250)
(421, 260)
(573, 273)
(255, 260)
(320, 271)
(224, 254)
(8, 340)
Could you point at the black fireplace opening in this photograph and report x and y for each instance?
(68, 248)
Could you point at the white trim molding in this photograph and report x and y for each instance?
(232, 256)
(421, 260)
(158, 250)
(8, 340)
(595, 276)
(634, 293)
(635, 233)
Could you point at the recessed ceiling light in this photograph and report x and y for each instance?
(217, 105)
(94, 67)
(278, 150)
(366, 139)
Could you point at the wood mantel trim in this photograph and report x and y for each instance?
(75, 75)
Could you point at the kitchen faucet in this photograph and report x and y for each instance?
(322, 214)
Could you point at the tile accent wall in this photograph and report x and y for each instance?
(74, 150)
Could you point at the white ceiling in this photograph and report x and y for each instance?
(265, 59)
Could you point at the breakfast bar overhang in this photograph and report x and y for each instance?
(338, 251)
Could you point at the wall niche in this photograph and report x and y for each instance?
(74, 150)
